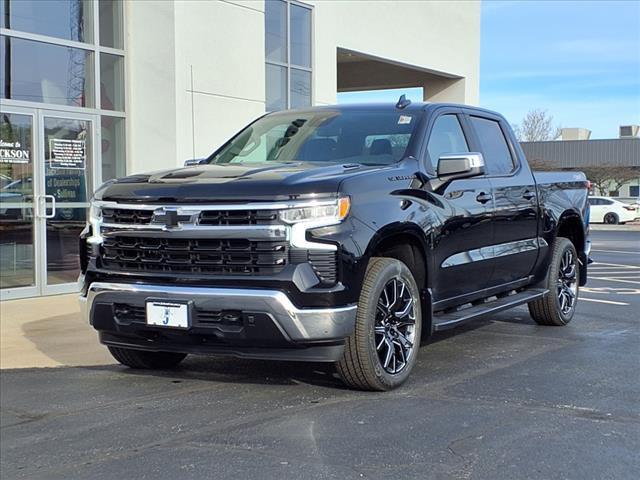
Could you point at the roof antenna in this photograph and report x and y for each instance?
(403, 102)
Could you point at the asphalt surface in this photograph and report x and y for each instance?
(499, 398)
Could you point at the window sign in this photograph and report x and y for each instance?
(14, 152)
(64, 153)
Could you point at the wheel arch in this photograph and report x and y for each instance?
(409, 244)
(571, 227)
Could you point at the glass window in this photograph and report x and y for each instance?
(276, 88)
(288, 59)
(367, 137)
(300, 30)
(111, 28)
(446, 137)
(42, 72)
(495, 149)
(113, 147)
(112, 82)
(71, 20)
(300, 88)
(276, 31)
(634, 191)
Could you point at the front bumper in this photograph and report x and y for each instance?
(254, 323)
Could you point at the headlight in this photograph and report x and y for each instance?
(331, 213)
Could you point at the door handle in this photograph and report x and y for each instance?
(529, 195)
(53, 206)
(483, 197)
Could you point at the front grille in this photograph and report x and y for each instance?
(125, 312)
(126, 216)
(196, 256)
(237, 217)
(128, 313)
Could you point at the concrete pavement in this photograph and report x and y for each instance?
(47, 332)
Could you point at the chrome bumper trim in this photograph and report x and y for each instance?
(298, 324)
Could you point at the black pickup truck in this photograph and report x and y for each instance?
(334, 234)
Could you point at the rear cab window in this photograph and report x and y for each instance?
(495, 149)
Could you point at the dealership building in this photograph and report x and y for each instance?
(97, 89)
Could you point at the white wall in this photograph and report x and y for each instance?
(222, 42)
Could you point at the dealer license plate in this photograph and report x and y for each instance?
(168, 314)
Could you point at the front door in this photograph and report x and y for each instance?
(461, 245)
(46, 177)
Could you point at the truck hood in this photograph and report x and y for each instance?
(233, 182)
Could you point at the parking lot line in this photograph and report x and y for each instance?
(599, 265)
(609, 302)
(609, 279)
(616, 251)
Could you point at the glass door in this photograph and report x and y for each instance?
(19, 269)
(66, 173)
(46, 180)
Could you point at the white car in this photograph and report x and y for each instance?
(608, 210)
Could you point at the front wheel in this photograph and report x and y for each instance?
(611, 219)
(384, 346)
(559, 305)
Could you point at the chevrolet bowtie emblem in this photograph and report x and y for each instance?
(173, 218)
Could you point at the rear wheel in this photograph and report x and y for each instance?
(384, 346)
(557, 308)
(148, 360)
(611, 218)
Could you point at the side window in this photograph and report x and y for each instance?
(606, 202)
(446, 137)
(495, 149)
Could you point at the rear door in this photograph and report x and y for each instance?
(515, 215)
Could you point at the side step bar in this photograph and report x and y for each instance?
(449, 320)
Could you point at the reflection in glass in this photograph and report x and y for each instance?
(42, 72)
(63, 260)
(67, 173)
(113, 148)
(112, 82)
(110, 13)
(300, 88)
(275, 25)
(300, 36)
(276, 88)
(68, 19)
(16, 201)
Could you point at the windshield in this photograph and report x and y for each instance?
(367, 137)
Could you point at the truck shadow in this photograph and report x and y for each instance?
(277, 373)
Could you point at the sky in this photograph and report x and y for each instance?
(579, 60)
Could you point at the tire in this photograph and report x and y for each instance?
(147, 360)
(384, 346)
(558, 307)
(611, 218)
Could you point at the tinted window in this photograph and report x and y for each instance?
(55, 18)
(606, 202)
(594, 201)
(300, 29)
(367, 137)
(496, 152)
(43, 72)
(446, 137)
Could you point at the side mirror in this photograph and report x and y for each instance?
(194, 161)
(460, 165)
